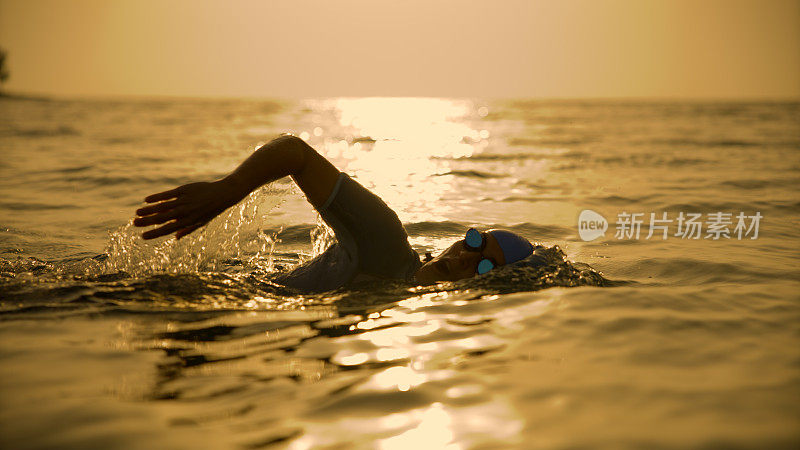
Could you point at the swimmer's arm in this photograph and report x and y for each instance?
(287, 155)
(189, 207)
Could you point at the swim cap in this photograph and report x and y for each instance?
(514, 246)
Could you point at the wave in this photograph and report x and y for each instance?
(749, 184)
(516, 198)
(471, 174)
(547, 267)
(60, 131)
(687, 271)
(682, 162)
(786, 205)
(531, 231)
(703, 142)
(650, 159)
(543, 187)
(569, 167)
(729, 207)
(33, 206)
(621, 200)
(534, 142)
(491, 157)
(119, 140)
(253, 288)
(107, 180)
(73, 169)
(255, 246)
(434, 228)
(293, 234)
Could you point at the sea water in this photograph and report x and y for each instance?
(645, 337)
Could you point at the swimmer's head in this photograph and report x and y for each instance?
(514, 246)
(462, 259)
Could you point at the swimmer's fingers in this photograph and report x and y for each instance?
(157, 218)
(166, 195)
(188, 230)
(166, 229)
(193, 206)
(157, 208)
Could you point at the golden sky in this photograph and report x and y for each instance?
(497, 48)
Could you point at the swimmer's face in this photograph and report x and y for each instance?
(457, 262)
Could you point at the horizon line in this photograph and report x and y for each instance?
(32, 95)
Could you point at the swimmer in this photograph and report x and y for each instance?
(371, 243)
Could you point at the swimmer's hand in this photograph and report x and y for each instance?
(187, 208)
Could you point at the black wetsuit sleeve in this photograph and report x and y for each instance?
(365, 225)
(370, 240)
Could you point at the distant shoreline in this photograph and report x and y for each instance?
(9, 96)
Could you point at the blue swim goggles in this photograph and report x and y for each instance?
(475, 241)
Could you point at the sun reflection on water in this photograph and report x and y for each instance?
(398, 377)
(435, 430)
(397, 147)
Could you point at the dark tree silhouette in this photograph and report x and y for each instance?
(3, 70)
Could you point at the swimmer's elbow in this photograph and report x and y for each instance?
(314, 174)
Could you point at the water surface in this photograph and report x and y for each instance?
(110, 342)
